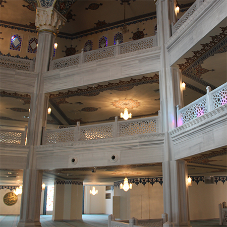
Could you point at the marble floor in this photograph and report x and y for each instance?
(88, 221)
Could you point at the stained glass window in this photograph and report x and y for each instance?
(15, 43)
(119, 37)
(103, 42)
(32, 45)
(50, 198)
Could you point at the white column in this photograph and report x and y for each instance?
(174, 193)
(48, 21)
(68, 200)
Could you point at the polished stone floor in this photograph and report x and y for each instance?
(88, 221)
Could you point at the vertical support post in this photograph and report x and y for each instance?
(208, 99)
(177, 115)
(116, 127)
(82, 57)
(77, 132)
(110, 218)
(117, 48)
(164, 218)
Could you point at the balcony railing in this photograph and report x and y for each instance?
(103, 53)
(17, 63)
(102, 131)
(15, 137)
(212, 100)
(135, 222)
(187, 15)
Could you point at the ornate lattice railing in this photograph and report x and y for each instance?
(102, 53)
(99, 54)
(16, 63)
(138, 126)
(14, 137)
(101, 131)
(65, 62)
(60, 136)
(140, 44)
(186, 15)
(210, 101)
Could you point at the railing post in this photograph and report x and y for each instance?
(159, 124)
(177, 115)
(77, 134)
(208, 99)
(110, 218)
(132, 222)
(81, 57)
(117, 48)
(116, 127)
(164, 218)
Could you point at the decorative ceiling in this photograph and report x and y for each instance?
(81, 15)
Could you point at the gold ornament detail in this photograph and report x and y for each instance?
(10, 198)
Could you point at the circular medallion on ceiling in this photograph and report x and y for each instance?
(89, 109)
(126, 103)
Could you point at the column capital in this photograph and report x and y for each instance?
(48, 19)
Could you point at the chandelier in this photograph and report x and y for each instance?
(18, 190)
(126, 186)
(125, 115)
(93, 191)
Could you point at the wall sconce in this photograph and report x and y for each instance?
(177, 8)
(93, 191)
(183, 86)
(49, 110)
(55, 46)
(189, 181)
(126, 186)
(43, 186)
(18, 191)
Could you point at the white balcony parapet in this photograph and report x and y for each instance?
(17, 63)
(14, 137)
(102, 131)
(136, 45)
(134, 222)
(186, 15)
(211, 101)
(103, 53)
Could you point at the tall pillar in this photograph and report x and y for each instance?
(48, 21)
(68, 200)
(174, 193)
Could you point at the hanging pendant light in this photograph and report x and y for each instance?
(93, 191)
(125, 115)
(124, 28)
(126, 186)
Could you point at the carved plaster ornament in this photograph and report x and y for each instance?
(49, 19)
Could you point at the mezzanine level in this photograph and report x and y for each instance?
(202, 126)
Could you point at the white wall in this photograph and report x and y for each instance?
(142, 202)
(95, 204)
(204, 199)
(109, 203)
(4, 209)
(124, 202)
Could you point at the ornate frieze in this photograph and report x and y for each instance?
(49, 19)
(68, 182)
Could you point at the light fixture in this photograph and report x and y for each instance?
(55, 46)
(125, 115)
(183, 85)
(93, 191)
(43, 186)
(18, 190)
(177, 8)
(124, 28)
(49, 110)
(189, 181)
(126, 186)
